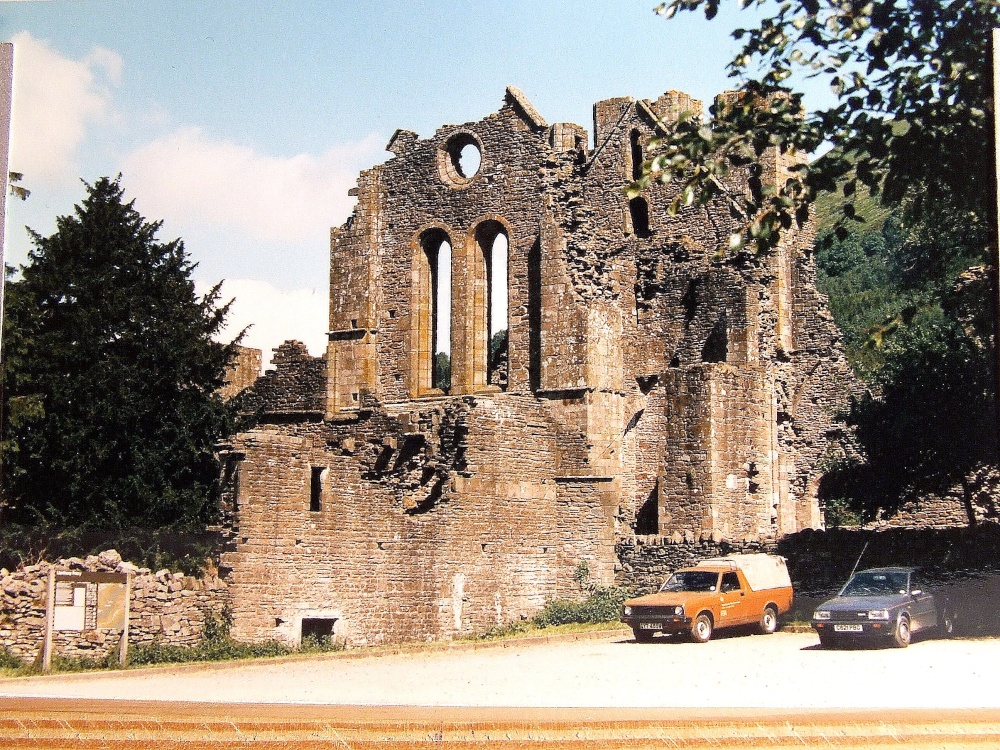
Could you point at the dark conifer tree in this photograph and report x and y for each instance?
(110, 376)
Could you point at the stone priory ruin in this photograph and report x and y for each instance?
(611, 377)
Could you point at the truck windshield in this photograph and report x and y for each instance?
(691, 580)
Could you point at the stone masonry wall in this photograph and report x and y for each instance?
(655, 385)
(433, 521)
(166, 607)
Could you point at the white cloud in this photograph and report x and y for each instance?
(55, 99)
(275, 315)
(188, 178)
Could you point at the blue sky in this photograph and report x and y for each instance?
(242, 125)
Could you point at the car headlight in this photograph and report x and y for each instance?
(679, 610)
(878, 614)
(628, 611)
(821, 614)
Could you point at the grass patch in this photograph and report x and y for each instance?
(603, 605)
(216, 645)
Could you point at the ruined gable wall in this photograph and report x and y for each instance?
(409, 194)
(387, 556)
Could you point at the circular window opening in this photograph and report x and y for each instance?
(469, 160)
(463, 158)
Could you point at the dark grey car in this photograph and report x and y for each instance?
(881, 605)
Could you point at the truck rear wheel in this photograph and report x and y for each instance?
(701, 628)
(768, 620)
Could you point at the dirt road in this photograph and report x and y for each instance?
(784, 671)
(594, 692)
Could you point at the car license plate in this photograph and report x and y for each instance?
(847, 629)
(650, 626)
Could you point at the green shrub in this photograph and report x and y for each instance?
(312, 644)
(602, 605)
(216, 645)
(9, 660)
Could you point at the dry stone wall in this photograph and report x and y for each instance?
(165, 607)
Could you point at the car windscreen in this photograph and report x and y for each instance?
(691, 580)
(875, 583)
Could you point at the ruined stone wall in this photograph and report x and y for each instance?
(296, 386)
(242, 372)
(417, 193)
(436, 519)
(165, 607)
(646, 561)
(655, 386)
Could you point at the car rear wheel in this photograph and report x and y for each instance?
(947, 624)
(768, 620)
(642, 636)
(701, 628)
(901, 636)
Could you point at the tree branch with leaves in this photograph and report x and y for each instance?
(912, 119)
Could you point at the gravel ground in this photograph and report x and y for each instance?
(785, 670)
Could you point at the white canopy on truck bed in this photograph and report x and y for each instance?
(761, 571)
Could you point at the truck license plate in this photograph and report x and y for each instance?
(847, 628)
(650, 626)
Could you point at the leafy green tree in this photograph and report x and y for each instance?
(442, 371)
(110, 375)
(913, 118)
(927, 423)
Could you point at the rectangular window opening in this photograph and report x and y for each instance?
(316, 488)
(319, 629)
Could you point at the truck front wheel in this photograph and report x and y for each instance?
(642, 636)
(701, 628)
(768, 620)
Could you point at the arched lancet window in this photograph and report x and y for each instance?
(497, 362)
(431, 313)
(481, 312)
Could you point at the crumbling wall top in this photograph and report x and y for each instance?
(516, 98)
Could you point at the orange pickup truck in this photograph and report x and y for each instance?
(716, 593)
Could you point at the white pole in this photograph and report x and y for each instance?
(50, 614)
(123, 644)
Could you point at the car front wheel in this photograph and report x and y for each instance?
(828, 641)
(701, 628)
(768, 620)
(901, 636)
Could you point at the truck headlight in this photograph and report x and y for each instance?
(878, 614)
(628, 611)
(821, 614)
(679, 610)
